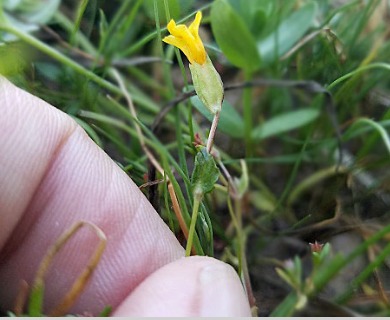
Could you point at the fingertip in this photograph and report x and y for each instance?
(195, 286)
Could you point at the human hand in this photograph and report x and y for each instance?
(52, 175)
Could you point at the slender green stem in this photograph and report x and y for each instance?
(375, 65)
(195, 210)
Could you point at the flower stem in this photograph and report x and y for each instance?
(194, 217)
(213, 129)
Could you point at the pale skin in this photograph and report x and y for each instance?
(52, 175)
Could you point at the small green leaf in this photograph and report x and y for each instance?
(285, 122)
(290, 31)
(233, 37)
(205, 173)
(230, 121)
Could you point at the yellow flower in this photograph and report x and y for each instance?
(187, 39)
(207, 81)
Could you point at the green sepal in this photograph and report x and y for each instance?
(208, 85)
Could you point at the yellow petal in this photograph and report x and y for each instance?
(171, 26)
(187, 39)
(194, 26)
(182, 45)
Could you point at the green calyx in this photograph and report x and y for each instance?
(208, 85)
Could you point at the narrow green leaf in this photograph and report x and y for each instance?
(287, 34)
(230, 121)
(285, 122)
(233, 37)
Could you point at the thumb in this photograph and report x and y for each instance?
(194, 286)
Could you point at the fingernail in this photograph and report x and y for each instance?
(222, 292)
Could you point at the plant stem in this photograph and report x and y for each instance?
(213, 129)
(195, 210)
